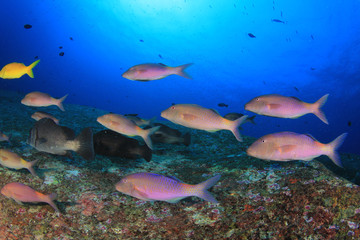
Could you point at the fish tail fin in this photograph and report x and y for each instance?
(251, 119)
(151, 121)
(30, 67)
(147, 134)
(187, 139)
(50, 200)
(59, 102)
(180, 70)
(146, 153)
(30, 167)
(204, 186)
(332, 149)
(86, 145)
(234, 127)
(317, 108)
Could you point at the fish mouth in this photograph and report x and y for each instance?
(247, 107)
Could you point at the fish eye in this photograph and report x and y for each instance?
(172, 107)
(257, 99)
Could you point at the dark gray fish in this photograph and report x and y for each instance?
(234, 116)
(113, 144)
(251, 35)
(277, 20)
(169, 135)
(222, 105)
(47, 136)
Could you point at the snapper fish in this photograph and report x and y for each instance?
(17, 70)
(40, 115)
(288, 146)
(22, 193)
(275, 105)
(197, 117)
(12, 160)
(154, 71)
(39, 99)
(121, 124)
(155, 187)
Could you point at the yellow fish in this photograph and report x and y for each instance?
(12, 160)
(17, 70)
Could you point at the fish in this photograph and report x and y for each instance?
(47, 136)
(61, 54)
(197, 117)
(154, 71)
(4, 138)
(140, 121)
(155, 187)
(288, 146)
(113, 144)
(27, 26)
(251, 35)
(22, 193)
(169, 135)
(17, 70)
(39, 99)
(40, 115)
(121, 124)
(234, 116)
(277, 20)
(12, 160)
(275, 105)
(222, 105)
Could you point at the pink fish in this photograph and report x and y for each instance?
(121, 124)
(22, 193)
(155, 187)
(154, 71)
(40, 115)
(39, 99)
(12, 160)
(287, 146)
(275, 105)
(197, 117)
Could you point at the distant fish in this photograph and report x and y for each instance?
(110, 143)
(40, 115)
(71, 38)
(22, 193)
(4, 138)
(12, 160)
(312, 37)
(61, 54)
(275, 105)
(48, 137)
(60, 47)
(222, 105)
(277, 20)
(121, 124)
(234, 116)
(349, 123)
(169, 135)
(39, 99)
(154, 71)
(160, 56)
(140, 121)
(17, 70)
(197, 117)
(141, 40)
(312, 69)
(155, 187)
(27, 26)
(296, 89)
(287, 146)
(251, 35)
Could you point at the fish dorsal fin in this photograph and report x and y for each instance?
(311, 136)
(296, 98)
(215, 111)
(162, 64)
(189, 117)
(286, 148)
(131, 114)
(273, 106)
(174, 178)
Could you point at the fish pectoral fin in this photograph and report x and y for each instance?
(140, 194)
(113, 123)
(189, 117)
(273, 106)
(286, 148)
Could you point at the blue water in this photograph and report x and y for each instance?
(314, 51)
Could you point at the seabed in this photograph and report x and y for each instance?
(257, 199)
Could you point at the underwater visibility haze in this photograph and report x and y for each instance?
(180, 119)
